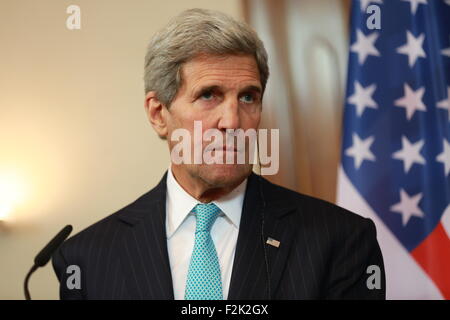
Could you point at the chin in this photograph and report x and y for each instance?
(222, 175)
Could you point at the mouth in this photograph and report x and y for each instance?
(229, 149)
(223, 149)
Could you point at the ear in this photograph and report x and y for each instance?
(155, 114)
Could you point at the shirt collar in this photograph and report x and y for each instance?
(180, 204)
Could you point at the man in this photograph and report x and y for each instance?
(217, 230)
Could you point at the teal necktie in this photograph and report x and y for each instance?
(204, 280)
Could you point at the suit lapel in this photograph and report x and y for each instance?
(280, 227)
(248, 266)
(249, 278)
(143, 249)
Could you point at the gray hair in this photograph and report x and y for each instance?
(194, 32)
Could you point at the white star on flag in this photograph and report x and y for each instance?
(410, 153)
(364, 46)
(446, 51)
(445, 104)
(411, 101)
(362, 98)
(365, 3)
(408, 206)
(412, 48)
(360, 150)
(444, 157)
(447, 2)
(414, 4)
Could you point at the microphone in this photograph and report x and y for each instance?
(44, 256)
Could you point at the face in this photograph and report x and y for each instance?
(223, 92)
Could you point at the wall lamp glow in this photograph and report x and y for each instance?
(12, 194)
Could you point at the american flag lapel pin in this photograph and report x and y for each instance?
(273, 242)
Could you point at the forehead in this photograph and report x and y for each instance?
(226, 70)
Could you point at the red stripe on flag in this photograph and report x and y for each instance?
(433, 255)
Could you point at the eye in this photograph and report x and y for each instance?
(207, 95)
(247, 98)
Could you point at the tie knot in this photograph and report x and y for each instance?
(206, 215)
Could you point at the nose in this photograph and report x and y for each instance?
(229, 118)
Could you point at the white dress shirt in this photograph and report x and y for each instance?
(180, 229)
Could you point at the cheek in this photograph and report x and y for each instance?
(184, 115)
(250, 120)
(195, 125)
(178, 119)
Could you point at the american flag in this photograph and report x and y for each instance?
(396, 140)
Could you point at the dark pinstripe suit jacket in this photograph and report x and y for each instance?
(323, 254)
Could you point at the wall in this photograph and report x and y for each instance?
(307, 43)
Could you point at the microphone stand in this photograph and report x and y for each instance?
(27, 278)
(45, 255)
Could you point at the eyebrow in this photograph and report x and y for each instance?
(216, 87)
(252, 88)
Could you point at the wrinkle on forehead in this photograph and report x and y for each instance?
(231, 71)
